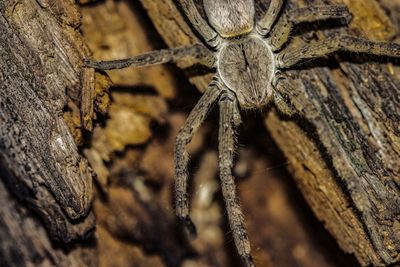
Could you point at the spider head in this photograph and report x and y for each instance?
(230, 18)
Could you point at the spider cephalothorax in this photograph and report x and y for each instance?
(247, 66)
(249, 63)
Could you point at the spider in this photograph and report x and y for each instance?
(249, 58)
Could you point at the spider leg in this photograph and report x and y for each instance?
(282, 95)
(283, 28)
(264, 25)
(151, 58)
(282, 103)
(193, 122)
(335, 43)
(209, 35)
(230, 117)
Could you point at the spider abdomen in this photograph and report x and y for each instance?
(230, 18)
(247, 68)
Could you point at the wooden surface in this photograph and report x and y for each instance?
(343, 152)
(344, 149)
(40, 55)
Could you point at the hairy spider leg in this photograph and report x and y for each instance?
(230, 118)
(281, 32)
(208, 34)
(151, 58)
(264, 25)
(282, 88)
(193, 122)
(335, 43)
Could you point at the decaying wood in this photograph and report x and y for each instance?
(24, 241)
(344, 150)
(329, 152)
(40, 59)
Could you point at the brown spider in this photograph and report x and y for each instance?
(249, 60)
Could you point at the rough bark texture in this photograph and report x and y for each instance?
(40, 54)
(344, 149)
(343, 152)
(24, 241)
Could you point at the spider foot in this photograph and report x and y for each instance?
(90, 63)
(189, 225)
(248, 261)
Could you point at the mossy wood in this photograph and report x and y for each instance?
(344, 149)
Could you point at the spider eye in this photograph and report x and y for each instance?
(230, 18)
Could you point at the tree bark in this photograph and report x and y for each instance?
(343, 149)
(40, 59)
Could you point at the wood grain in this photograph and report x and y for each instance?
(40, 58)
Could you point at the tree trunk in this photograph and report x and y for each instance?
(40, 55)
